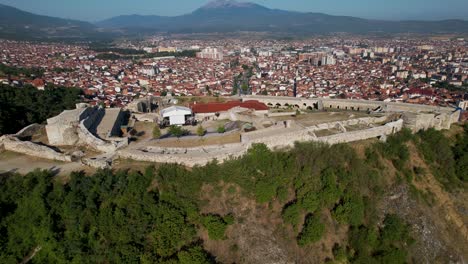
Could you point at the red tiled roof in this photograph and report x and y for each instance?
(426, 92)
(222, 107)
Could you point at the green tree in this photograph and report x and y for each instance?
(312, 231)
(351, 210)
(194, 255)
(215, 225)
(291, 214)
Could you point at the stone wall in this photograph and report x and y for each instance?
(423, 121)
(62, 135)
(13, 144)
(88, 138)
(375, 132)
(62, 129)
(185, 156)
(345, 104)
(203, 155)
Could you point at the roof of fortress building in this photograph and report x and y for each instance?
(222, 107)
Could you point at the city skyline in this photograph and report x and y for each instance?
(88, 10)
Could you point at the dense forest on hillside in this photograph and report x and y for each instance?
(20, 107)
(167, 213)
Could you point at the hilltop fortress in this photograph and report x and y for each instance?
(101, 129)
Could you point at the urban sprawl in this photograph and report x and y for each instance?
(430, 71)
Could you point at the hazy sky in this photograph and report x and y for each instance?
(94, 10)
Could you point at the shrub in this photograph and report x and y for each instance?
(156, 132)
(177, 131)
(351, 210)
(311, 232)
(310, 202)
(194, 255)
(291, 214)
(201, 131)
(221, 129)
(216, 225)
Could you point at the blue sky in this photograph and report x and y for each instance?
(94, 10)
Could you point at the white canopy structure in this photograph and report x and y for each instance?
(177, 115)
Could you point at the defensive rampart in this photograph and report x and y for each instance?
(13, 144)
(203, 155)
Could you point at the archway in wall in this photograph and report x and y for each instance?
(316, 106)
(309, 108)
(278, 105)
(296, 106)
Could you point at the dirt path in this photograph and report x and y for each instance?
(12, 162)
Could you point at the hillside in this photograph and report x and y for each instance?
(231, 16)
(368, 202)
(18, 24)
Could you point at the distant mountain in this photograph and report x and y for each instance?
(18, 24)
(229, 16)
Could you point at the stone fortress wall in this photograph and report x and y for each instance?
(415, 117)
(71, 127)
(418, 116)
(61, 129)
(12, 143)
(287, 138)
(77, 126)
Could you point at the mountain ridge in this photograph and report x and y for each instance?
(19, 24)
(221, 16)
(228, 16)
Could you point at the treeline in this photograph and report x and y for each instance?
(62, 70)
(451, 87)
(20, 107)
(128, 217)
(184, 53)
(119, 50)
(108, 56)
(107, 218)
(6, 70)
(119, 56)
